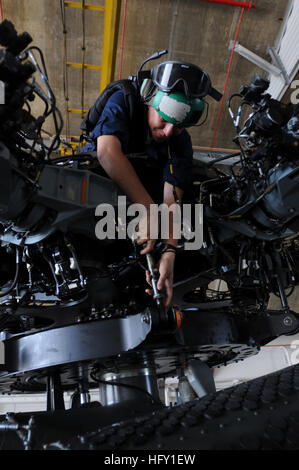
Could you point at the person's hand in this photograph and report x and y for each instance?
(146, 226)
(165, 281)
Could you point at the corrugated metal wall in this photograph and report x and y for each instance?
(288, 51)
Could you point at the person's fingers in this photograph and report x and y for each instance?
(141, 241)
(148, 277)
(168, 288)
(148, 248)
(148, 280)
(165, 282)
(161, 280)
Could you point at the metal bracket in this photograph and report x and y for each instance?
(272, 324)
(200, 377)
(277, 60)
(24, 431)
(78, 342)
(55, 399)
(276, 69)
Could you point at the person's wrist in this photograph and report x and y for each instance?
(168, 253)
(168, 248)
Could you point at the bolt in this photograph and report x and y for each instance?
(146, 318)
(287, 321)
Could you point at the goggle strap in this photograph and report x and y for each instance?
(215, 94)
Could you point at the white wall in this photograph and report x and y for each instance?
(276, 355)
(287, 49)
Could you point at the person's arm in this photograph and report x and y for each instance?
(166, 263)
(170, 201)
(120, 170)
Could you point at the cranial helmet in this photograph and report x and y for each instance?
(176, 90)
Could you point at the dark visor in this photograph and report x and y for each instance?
(195, 82)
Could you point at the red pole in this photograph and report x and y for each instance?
(227, 77)
(232, 3)
(1, 11)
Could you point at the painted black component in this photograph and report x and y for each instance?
(64, 424)
(55, 400)
(73, 343)
(202, 334)
(273, 324)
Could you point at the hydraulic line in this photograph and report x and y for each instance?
(14, 282)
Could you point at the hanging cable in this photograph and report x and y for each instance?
(83, 59)
(16, 277)
(64, 63)
(227, 75)
(122, 39)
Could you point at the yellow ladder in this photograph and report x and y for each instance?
(111, 11)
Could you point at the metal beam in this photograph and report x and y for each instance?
(87, 6)
(78, 65)
(255, 59)
(277, 60)
(77, 111)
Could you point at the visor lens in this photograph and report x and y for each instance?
(168, 75)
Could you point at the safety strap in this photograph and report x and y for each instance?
(130, 91)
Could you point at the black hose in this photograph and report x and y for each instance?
(14, 282)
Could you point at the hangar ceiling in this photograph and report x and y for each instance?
(195, 31)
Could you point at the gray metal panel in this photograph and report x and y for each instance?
(75, 188)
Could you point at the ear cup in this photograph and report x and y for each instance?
(147, 90)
